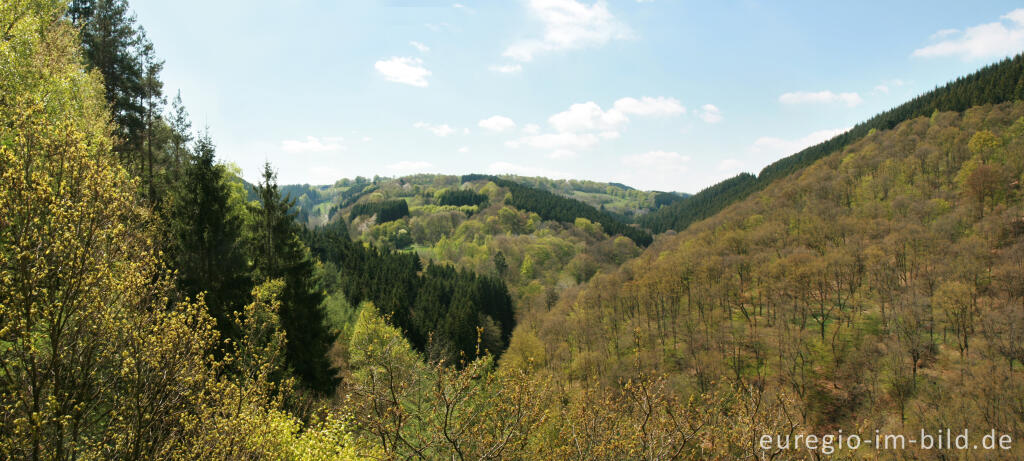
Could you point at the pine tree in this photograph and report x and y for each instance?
(205, 238)
(278, 253)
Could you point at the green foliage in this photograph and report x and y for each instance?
(552, 207)
(278, 252)
(99, 360)
(439, 308)
(461, 197)
(388, 210)
(204, 235)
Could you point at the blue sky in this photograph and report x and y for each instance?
(657, 94)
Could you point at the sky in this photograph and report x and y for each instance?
(671, 95)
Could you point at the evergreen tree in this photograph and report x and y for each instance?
(278, 253)
(180, 137)
(205, 237)
(113, 44)
(153, 122)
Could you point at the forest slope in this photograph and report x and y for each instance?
(880, 286)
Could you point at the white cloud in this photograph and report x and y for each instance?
(531, 128)
(710, 113)
(458, 5)
(367, 139)
(885, 86)
(775, 147)
(562, 153)
(568, 24)
(497, 123)
(438, 130)
(464, 149)
(409, 71)
(556, 141)
(506, 68)
(1017, 16)
(522, 170)
(659, 106)
(609, 134)
(313, 144)
(821, 97)
(408, 166)
(1004, 37)
(587, 116)
(419, 46)
(658, 160)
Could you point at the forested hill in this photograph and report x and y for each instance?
(993, 84)
(612, 197)
(315, 203)
(556, 200)
(557, 208)
(880, 287)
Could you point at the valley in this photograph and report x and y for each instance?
(157, 304)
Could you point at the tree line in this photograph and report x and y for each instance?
(993, 84)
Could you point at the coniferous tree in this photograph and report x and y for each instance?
(153, 122)
(180, 136)
(205, 237)
(278, 253)
(112, 44)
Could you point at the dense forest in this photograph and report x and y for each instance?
(154, 305)
(444, 312)
(879, 286)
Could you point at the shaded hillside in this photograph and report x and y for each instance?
(996, 83)
(879, 287)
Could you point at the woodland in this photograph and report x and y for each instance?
(155, 305)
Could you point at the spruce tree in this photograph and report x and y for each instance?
(205, 245)
(277, 252)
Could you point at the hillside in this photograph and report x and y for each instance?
(315, 203)
(477, 225)
(615, 198)
(869, 287)
(155, 305)
(993, 84)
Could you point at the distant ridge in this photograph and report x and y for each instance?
(554, 207)
(993, 84)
